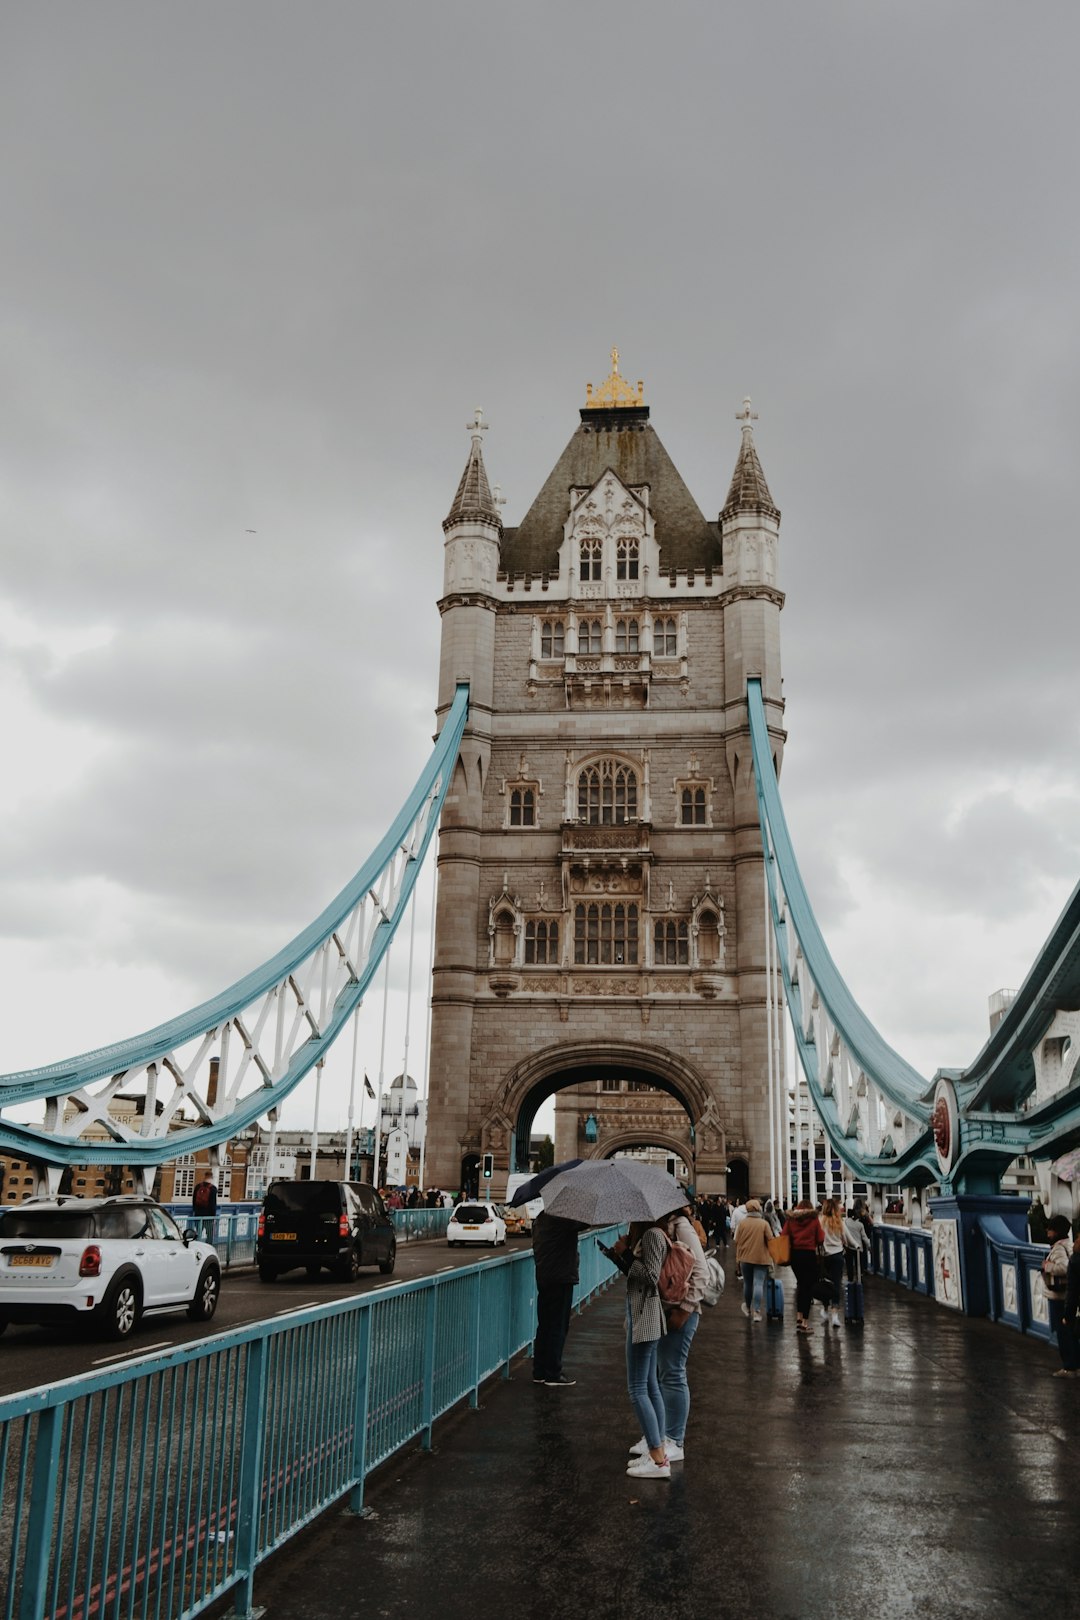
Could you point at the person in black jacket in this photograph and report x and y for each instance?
(555, 1255)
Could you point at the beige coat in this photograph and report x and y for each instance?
(751, 1241)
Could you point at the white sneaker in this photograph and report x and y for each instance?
(641, 1449)
(674, 1451)
(745, 1308)
(645, 1468)
(836, 1318)
(756, 1316)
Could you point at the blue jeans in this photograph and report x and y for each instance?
(753, 1287)
(671, 1372)
(644, 1389)
(1067, 1342)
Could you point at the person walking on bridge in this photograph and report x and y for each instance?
(1055, 1276)
(752, 1256)
(805, 1232)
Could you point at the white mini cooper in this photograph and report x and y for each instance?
(107, 1259)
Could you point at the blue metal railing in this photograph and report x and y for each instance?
(1014, 1289)
(233, 1232)
(158, 1487)
(420, 1223)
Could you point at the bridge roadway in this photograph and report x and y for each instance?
(927, 1468)
(32, 1356)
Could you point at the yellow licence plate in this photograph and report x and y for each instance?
(470, 1229)
(283, 1237)
(31, 1259)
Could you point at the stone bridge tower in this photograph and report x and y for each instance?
(600, 920)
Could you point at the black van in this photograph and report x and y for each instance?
(342, 1225)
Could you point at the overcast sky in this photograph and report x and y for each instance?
(260, 261)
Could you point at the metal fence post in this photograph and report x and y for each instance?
(474, 1371)
(38, 1561)
(251, 1470)
(431, 1317)
(360, 1408)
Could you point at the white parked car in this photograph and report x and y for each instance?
(108, 1259)
(476, 1223)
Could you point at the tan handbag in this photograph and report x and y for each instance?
(780, 1249)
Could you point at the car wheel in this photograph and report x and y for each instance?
(312, 1271)
(267, 1272)
(205, 1302)
(348, 1267)
(387, 1266)
(121, 1308)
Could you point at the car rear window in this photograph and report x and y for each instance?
(46, 1223)
(467, 1213)
(303, 1198)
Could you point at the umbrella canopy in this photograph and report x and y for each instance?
(532, 1189)
(603, 1192)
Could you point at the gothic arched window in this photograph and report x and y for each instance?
(552, 638)
(605, 934)
(626, 559)
(666, 638)
(590, 637)
(503, 942)
(607, 794)
(591, 555)
(626, 635)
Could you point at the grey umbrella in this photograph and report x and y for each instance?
(603, 1192)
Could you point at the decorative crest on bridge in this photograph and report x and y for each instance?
(614, 394)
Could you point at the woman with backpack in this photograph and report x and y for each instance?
(681, 1321)
(641, 1255)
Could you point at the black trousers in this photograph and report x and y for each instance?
(805, 1266)
(553, 1306)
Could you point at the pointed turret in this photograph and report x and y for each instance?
(474, 502)
(749, 492)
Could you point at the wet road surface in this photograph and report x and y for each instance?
(926, 1468)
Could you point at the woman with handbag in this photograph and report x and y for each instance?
(753, 1257)
(804, 1229)
(835, 1240)
(1055, 1275)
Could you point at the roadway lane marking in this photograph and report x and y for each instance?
(286, 1310)
(445, 1268)
(136, 1350)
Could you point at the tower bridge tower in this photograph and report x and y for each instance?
(600, 919)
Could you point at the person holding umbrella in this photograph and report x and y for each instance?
(641, 1254)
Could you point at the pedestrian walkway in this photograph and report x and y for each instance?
(928, 1467)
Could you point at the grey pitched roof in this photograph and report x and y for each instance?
(623, 440)
(749, 492)
(473, 502)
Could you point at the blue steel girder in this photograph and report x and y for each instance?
(268, 1030)
(992, 1125)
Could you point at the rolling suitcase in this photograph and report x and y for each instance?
(774, 1299)
(853, 1296)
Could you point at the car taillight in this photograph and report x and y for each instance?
(343, 1225)
(262, 1225)
(90, 1264)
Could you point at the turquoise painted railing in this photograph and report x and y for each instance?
(157, 1488)
(420, 1223)
(905, 1255)
(233, 1233)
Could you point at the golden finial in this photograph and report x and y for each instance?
(615, 393)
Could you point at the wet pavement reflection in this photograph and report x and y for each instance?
(927, 1467)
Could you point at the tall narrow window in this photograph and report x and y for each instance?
(591, 555)
(607, 794)
(626, 635)
(671, 943)
(552, 638)
(709, 945)
(666, 638)
(590, 637)
(503, 943)
(694, 807)
(605, 935)
(522, 807)
(542, 942)
(626, 559)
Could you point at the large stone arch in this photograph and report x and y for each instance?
(508, 1116)
(630, 1139)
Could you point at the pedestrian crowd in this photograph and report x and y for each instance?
(667, 1267)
